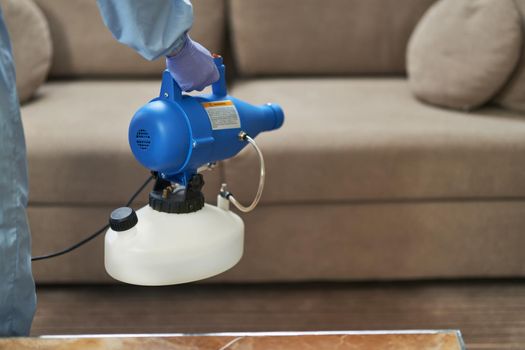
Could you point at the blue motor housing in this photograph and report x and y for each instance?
(175, 134)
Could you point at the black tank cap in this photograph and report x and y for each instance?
(122, 219)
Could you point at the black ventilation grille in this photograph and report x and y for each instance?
(143, 139)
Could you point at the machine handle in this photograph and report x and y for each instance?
(171, 90)
(219, 87)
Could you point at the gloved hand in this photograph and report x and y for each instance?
(192, 66)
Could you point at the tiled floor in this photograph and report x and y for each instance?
(490, 314)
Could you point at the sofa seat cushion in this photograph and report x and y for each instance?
(359, 139)
(77, 142)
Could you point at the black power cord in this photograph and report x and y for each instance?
(96, 233)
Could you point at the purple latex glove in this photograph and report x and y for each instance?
(192, 66)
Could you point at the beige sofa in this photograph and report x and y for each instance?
(364, 182)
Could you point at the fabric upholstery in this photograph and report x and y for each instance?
(77, 142)
(322, 37)
(463, 52)
(513, 95)
(363, 181)
(85, 47)
(323, 241)
(31, 44)
(376, 141)
(369, 139)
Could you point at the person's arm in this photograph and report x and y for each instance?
(156, 28)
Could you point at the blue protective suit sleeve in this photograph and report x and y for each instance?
(17, 289)
(154, 28)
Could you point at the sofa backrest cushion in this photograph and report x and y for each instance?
(30, 42)
(462, 53)
(83, 46)
(513, 95)
(320, 37)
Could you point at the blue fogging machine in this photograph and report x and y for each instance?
(178, 238)
(175, 134)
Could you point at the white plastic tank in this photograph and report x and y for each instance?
(162, 248)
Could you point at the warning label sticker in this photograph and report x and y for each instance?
(222, 114)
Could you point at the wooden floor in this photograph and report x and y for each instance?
(490, 314)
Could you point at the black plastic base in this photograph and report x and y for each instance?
(179, 201)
